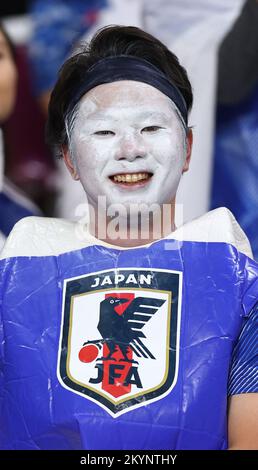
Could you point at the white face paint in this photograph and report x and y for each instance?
(128, 144)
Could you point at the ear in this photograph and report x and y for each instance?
(189, 143)
(69, 163)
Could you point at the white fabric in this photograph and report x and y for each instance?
(193, 29)
(40, 236)
(19, 28)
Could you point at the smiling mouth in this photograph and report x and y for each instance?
(130, 179)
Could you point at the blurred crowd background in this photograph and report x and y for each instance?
(216, 41)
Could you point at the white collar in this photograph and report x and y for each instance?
(42, 236)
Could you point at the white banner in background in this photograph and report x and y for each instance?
(193, 29)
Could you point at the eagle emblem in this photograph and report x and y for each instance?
(119, 337)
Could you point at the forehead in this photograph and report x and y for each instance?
(125, 94)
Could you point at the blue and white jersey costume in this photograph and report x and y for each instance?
(109, 348)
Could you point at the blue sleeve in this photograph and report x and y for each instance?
(243, 376)
(11, 210)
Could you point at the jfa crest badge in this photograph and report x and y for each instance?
(119, 338)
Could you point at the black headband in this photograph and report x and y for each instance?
(113, 69)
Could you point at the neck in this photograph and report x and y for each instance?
(122, 231)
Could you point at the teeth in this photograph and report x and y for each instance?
(130, 177)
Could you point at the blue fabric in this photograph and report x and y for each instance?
(236, 164)
(10, 213)
(244, 370)
(37, 412)
(58, 25)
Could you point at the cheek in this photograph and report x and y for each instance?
(91, 155)
(85, 154)
(8, 80)
(95, 148)
(8, 77)
(168, 150)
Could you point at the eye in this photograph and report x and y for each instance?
(152, 128)
(104, 133)
(111, 301)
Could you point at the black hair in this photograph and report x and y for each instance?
(109, 41)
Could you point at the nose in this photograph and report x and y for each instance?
(130, 148)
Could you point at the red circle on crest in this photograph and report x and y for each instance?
(88, 353)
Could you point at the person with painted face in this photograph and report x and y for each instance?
(123, 331)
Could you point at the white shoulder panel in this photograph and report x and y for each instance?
(218, 225)
(41, 236)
